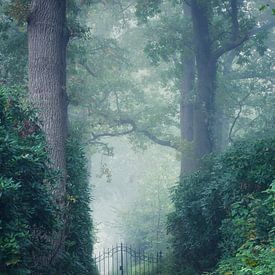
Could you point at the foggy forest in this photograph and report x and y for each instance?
(137, 137)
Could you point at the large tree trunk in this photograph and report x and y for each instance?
(221, 130)
(204, 114)
(47, 41)
(47, 76)
(222, 121)
(187, 115)
(187, 104)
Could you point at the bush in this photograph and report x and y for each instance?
(27, 211)
(250, 228)
(222, 211)
(79, 228)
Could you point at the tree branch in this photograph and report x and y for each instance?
(135, 128)
(157, 140)
(88, 69)
(250, 75)
(240, 40)
(150, 135)
(111, 134)
(237, 117)
(234, 19)
(229, 47)
(105, 146)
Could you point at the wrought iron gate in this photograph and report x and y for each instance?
(124, 260)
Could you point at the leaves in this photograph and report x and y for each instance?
(229, 206)
(79, 228)
(26, 203)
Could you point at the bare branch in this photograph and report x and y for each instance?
(155, 139)
(150, 135)
(105, 146)
(229, 46)
(88, 69)
(237, 117)
(111, 134)
(98, 49)
(135, 128)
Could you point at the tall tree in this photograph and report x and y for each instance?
(206, 69)
(186, 99)
(218, 27)
(210, 46)
(47, 41)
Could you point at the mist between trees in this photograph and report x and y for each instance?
(144, 122)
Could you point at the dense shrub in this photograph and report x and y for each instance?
(27, 212)
(28, 215)
(79, 227)
(223, 213)
(249, 241)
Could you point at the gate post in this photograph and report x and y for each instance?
(121, 258)
(157, 263)
(160, 262)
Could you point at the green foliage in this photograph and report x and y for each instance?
(173, 39)
(28, 215)
(123, 90)
(19, 10)
(13, 51)
(225, 212)
(79, 228)
(27, 212)
(251, 222)
(193, 226)
(145, 9)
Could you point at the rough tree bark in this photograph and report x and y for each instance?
(187, 104)
(187, 114)
(206, 69)
(47, 41)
